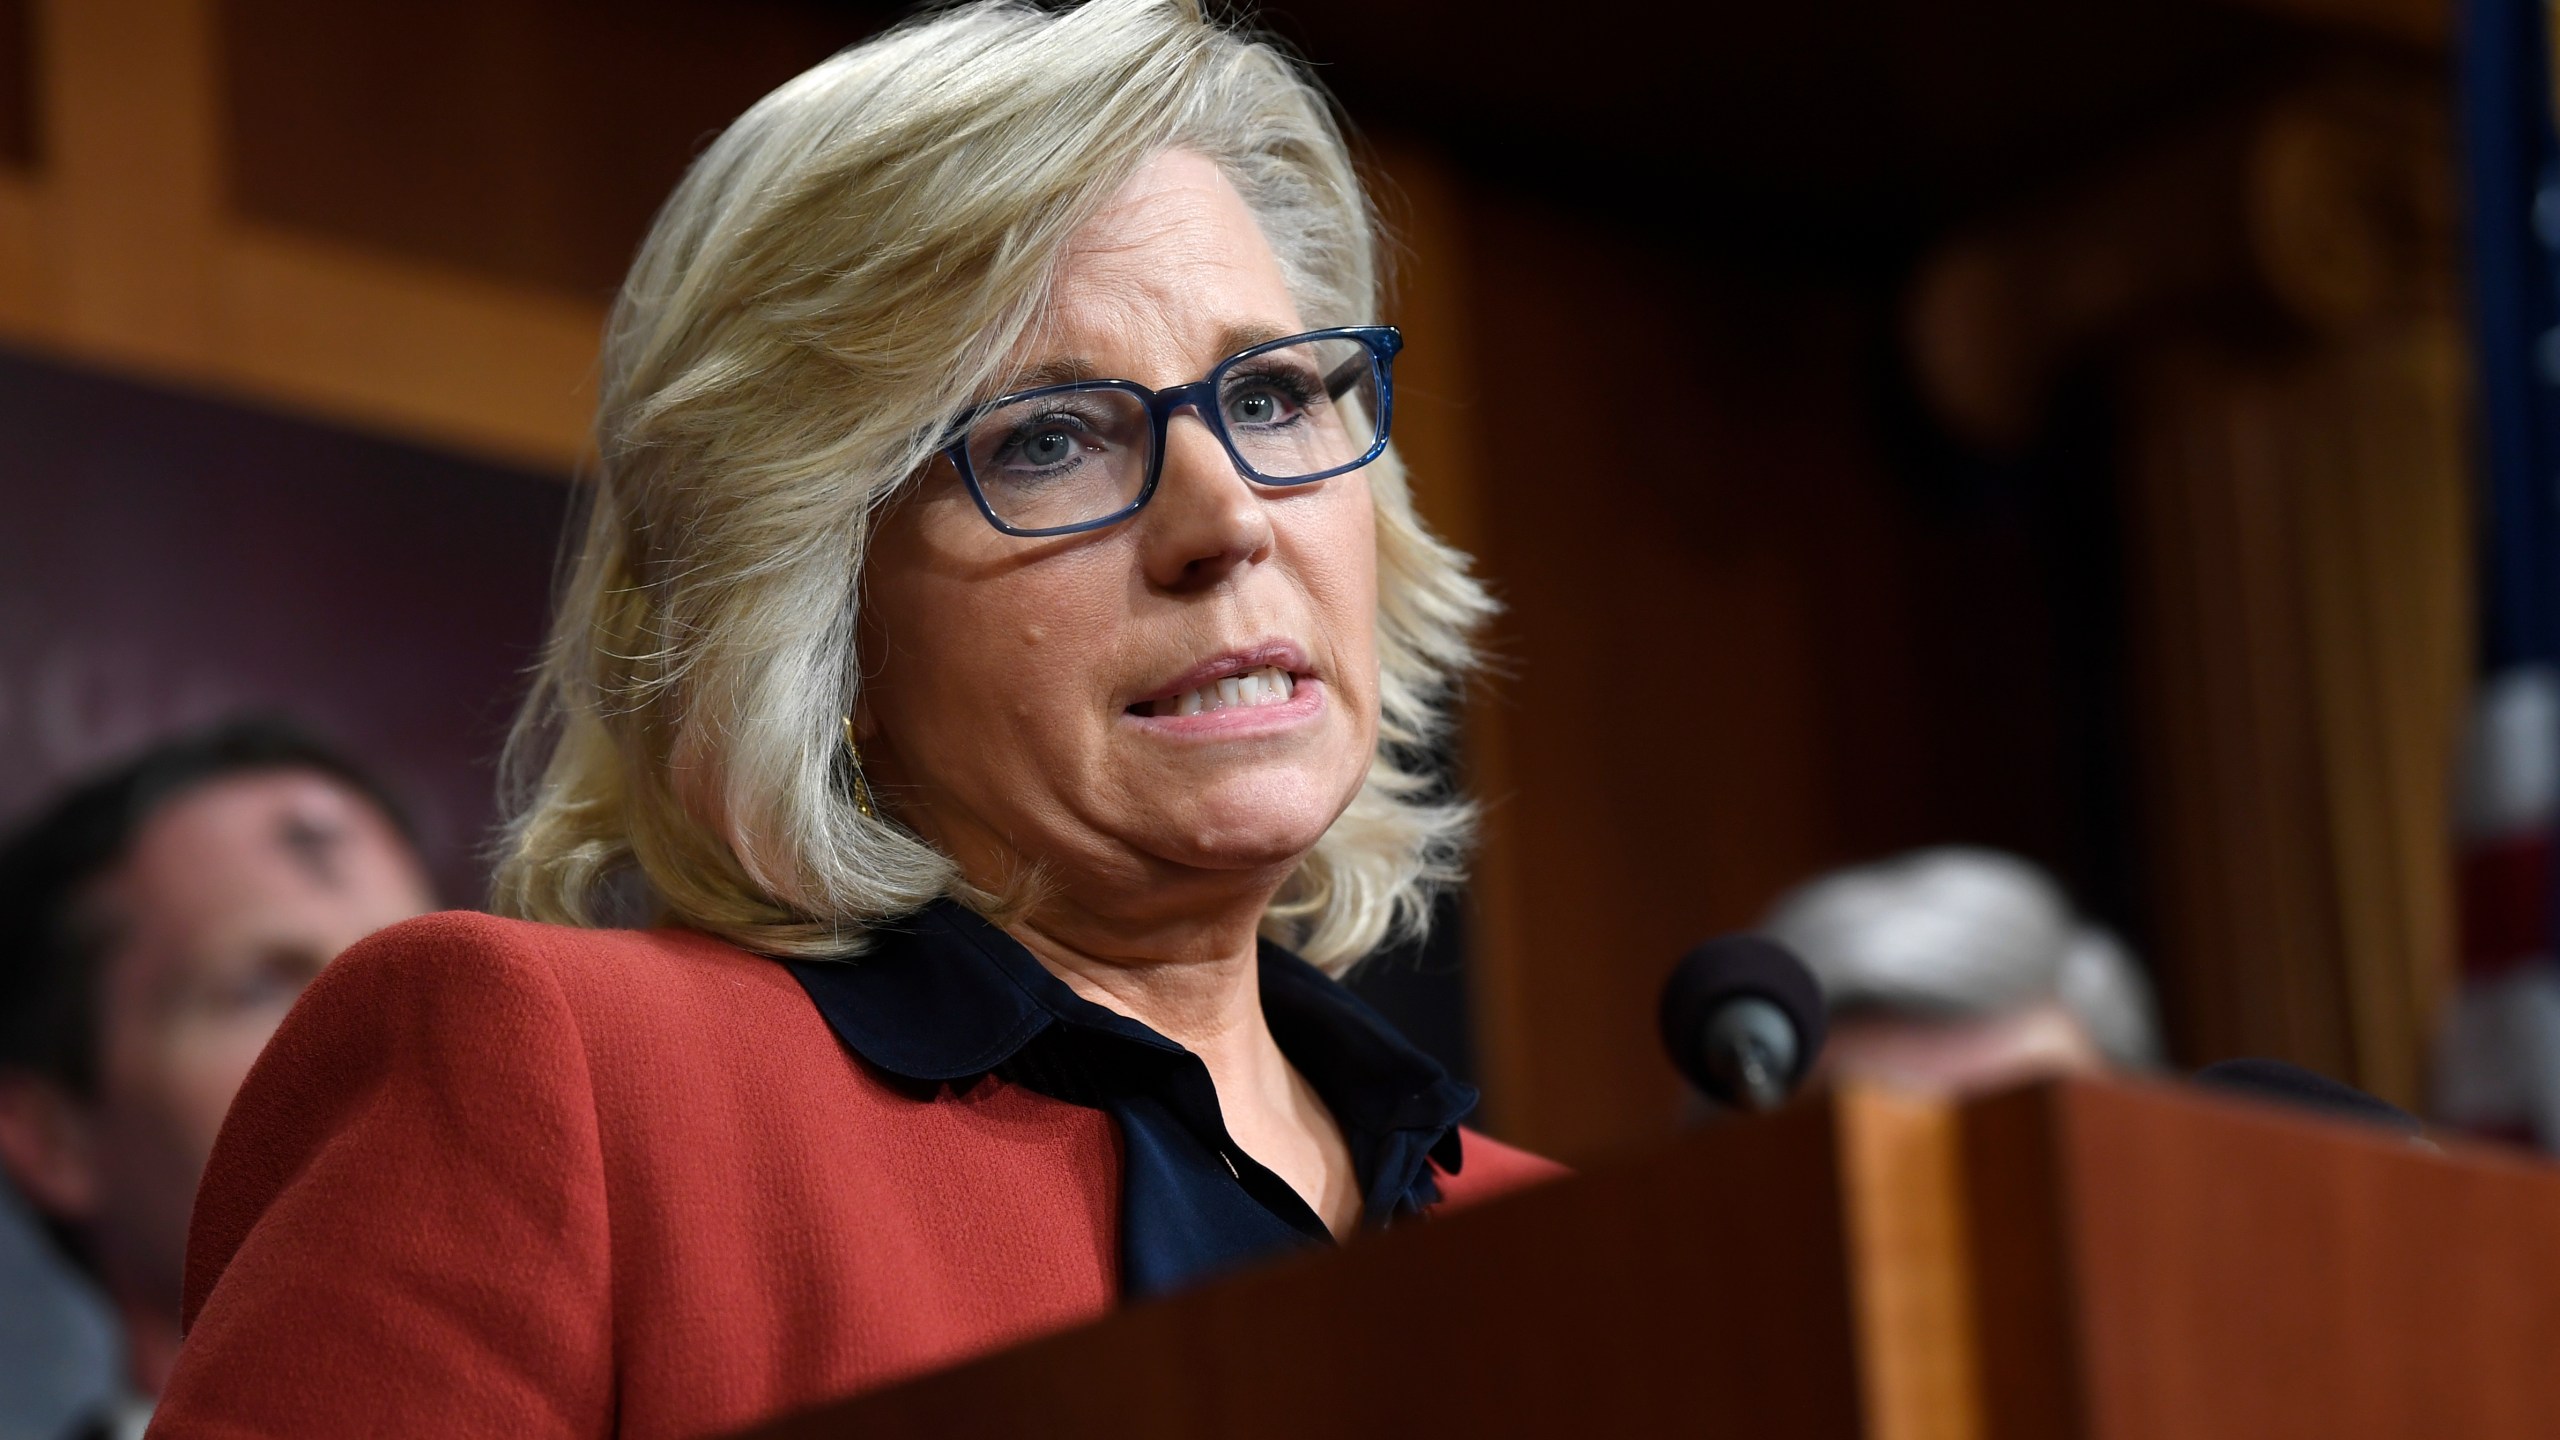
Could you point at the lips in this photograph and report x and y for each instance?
(1258, 677)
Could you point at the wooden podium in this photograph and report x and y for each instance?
(2073, 1259)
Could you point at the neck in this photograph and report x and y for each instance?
(1199, 985)
(1196, 982)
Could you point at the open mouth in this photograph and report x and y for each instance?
(1244, 690)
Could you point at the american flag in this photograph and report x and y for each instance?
(2498, 1057)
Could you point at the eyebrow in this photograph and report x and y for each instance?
(1245, 337)
(1065, 370)
(1073, 369)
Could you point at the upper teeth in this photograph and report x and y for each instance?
(1267, 686)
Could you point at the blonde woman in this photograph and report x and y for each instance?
(999, 654)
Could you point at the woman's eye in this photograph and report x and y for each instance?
(1048, 447)
(1261, 405)
(1043, 444)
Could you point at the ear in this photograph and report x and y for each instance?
(48, 1144)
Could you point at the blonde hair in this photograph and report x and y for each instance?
(844, 269)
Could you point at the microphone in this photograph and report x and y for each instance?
(2293, 1085)
(1743, 1019)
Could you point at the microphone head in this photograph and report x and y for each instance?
(2311, 1090)
(1740, 981)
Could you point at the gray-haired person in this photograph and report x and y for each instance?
(1957, 969)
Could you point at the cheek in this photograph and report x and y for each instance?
(1338, 565)
(171, 1084)
(208, 1060)
(969, 668)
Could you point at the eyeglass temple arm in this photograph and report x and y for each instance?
(1346, 375)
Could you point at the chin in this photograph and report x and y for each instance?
(1232, 848)
(1248, 827)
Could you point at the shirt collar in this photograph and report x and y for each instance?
(946, 996)
(1370, 1076)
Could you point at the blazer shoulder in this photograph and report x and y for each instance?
(1488, 1168)
(471, 940)
(463, 950)
(448, 1030)
(414, 1164)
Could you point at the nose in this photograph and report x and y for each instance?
(1206, 521)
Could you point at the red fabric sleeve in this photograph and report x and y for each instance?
(1488, 1169)
(403, 1227)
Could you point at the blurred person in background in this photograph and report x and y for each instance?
(1958, 970)
(156, 923)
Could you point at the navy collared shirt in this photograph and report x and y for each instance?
(945, 997)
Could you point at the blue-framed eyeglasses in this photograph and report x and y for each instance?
(1068, 458)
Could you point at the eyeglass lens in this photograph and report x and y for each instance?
(1067, 456)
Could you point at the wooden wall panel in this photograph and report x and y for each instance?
(527, 142)
(133, 178)
(1658, 695)
(17, 86)
(352, 333)
(21, 257)
(122, 251)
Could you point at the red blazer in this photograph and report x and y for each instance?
(496, 1178)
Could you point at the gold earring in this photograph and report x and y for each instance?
(861, 787)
